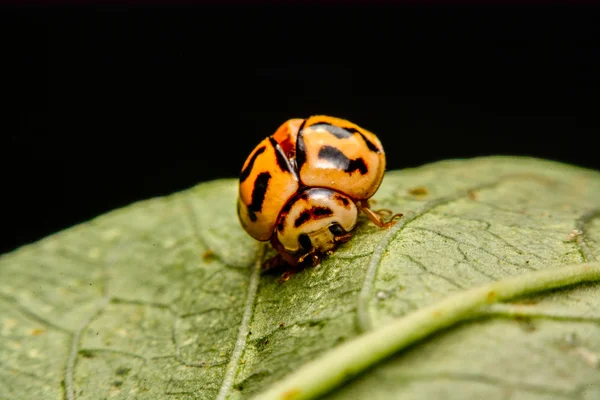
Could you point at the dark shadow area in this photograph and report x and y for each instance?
(112, 104)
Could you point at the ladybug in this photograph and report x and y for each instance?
(303, 187)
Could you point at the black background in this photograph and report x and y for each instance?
(117, 104)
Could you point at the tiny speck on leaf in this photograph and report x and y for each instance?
(526, 324)
(381, 295)
(208, 255)
(570, 338)
(86, 353)
(122, 371)
(418, 191)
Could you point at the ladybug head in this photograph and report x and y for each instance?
(316, 220)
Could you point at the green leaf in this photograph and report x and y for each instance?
(486, 288)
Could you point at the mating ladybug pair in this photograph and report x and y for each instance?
(303, 187)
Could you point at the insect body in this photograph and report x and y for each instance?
(303, 187)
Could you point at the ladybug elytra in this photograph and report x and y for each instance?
(303, 187)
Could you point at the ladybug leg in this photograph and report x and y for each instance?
(274, 262)
(384, 212)
(314, 257)
(286, 275)
(342, 238)
(298, 266)
(377, 217)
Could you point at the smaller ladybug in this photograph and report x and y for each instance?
(303, 187)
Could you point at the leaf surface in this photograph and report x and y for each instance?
(161, 299)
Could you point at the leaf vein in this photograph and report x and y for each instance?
(27, 312)
(580, 226)
(74, 350)
(468, 261)
(358, 354)
(76, 336)
(531, 311)
(244, 328)
(424, 268)
(479, 248)
(13, 370)
(364, 322)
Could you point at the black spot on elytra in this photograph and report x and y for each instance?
(300, 147)
(246, 172)
(345, 202)
(258, 194)
(252, 215)
(370, 144)
(337, 131)
(287, 207)
(312, 213)
(302, 218)
(282, 161)
(358, 164)
(303, 196)
(341, 132)
(321, 211)
(340, 161)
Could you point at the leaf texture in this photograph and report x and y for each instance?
(163, 299)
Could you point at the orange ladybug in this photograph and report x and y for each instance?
(303, 187)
